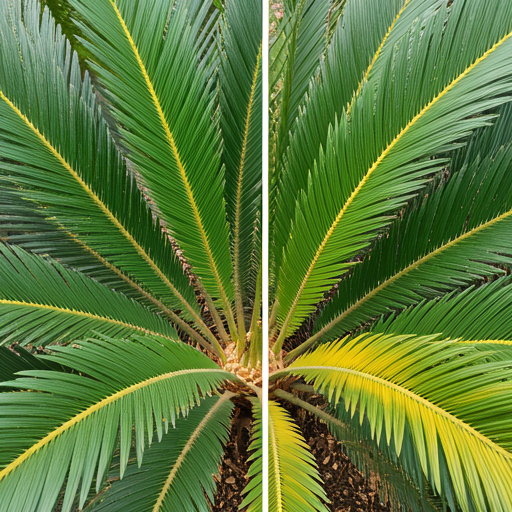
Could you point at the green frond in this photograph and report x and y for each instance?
(253, 491)
(457, 233)
(241, 125)
(432, 400)
(177, 473)
(64, 431)
(17, 360)
(296, 55)
(146, 62)
(475, 314)
(404, 492)
(365, 35)
(43, 302)
(294, 483)
(351, 193)
(69, 168)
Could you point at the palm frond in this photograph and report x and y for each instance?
(69, 168)
(475, 314)
(296, 53)
(365, 35)
(65, 430)
(293, 477)
(456, 234)
(429, 397)
(352, 192)
(241, 124)
(253, 491)
(376, 462)
(43, 302)
(177, 473)
(164, 109)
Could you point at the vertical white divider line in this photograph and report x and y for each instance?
(265, 242)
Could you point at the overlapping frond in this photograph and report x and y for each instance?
(65, 430)
(241, 124)
(458, 233)
(365, 36)
(18, 359)
(177, 473)
(352, 191)
(431, 399)
(69, 168)
(43, 302)
(146, 61)
(475, 314)
(296, 55)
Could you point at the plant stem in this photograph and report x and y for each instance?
(319, 413)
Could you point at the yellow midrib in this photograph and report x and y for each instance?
(96, 199)
(367, 176)
(174, 149)
(238, 285)
(412, 396)
(91, 316)
(375, 57)
(277, 471)
(179, 461)
(408, 269)
(171, 315)
(94, 408)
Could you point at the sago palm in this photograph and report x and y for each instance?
(391, 240)
(130, 201)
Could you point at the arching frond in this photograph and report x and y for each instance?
(146, 61)
(477, 314)
(65, 430)
(177, 473)
(365, 36)
(43, 302)
(68, 166)
(454, 235)
(351, 192)
(429, 397)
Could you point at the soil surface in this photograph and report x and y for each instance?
(345, 486)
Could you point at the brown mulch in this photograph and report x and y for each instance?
(346, 488)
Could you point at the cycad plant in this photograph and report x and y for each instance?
(130, 200)
(391, 244)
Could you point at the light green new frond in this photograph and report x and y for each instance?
(64, 431)
(177, 473)
(294, 483)
(253, 491)
(43, 302)
(431, 397)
